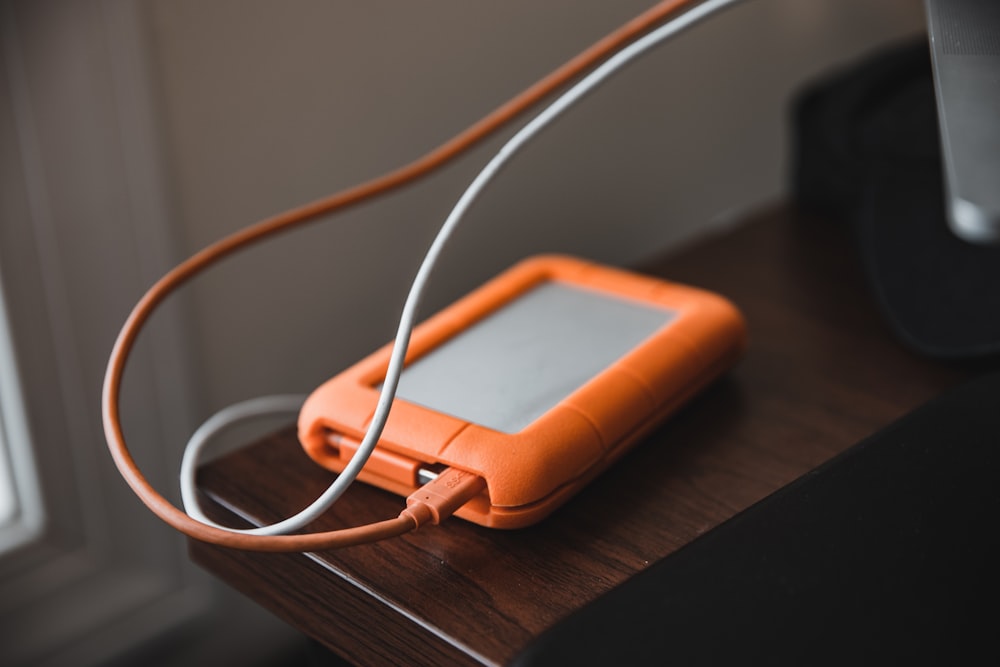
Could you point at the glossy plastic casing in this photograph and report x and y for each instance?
(533, 471)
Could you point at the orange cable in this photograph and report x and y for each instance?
(284, 221)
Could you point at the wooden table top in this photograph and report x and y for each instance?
(822, 372)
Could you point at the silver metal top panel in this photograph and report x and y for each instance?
(519, 362)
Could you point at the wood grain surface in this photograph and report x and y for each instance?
(822, 372)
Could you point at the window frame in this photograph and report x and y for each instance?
(94, 576)
(23, 523)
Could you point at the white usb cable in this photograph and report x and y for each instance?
(270, 405)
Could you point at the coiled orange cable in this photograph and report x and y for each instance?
(306, 213)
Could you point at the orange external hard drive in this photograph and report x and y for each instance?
(536, 382)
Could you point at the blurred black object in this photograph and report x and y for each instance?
(884, 555)
(866, 151)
